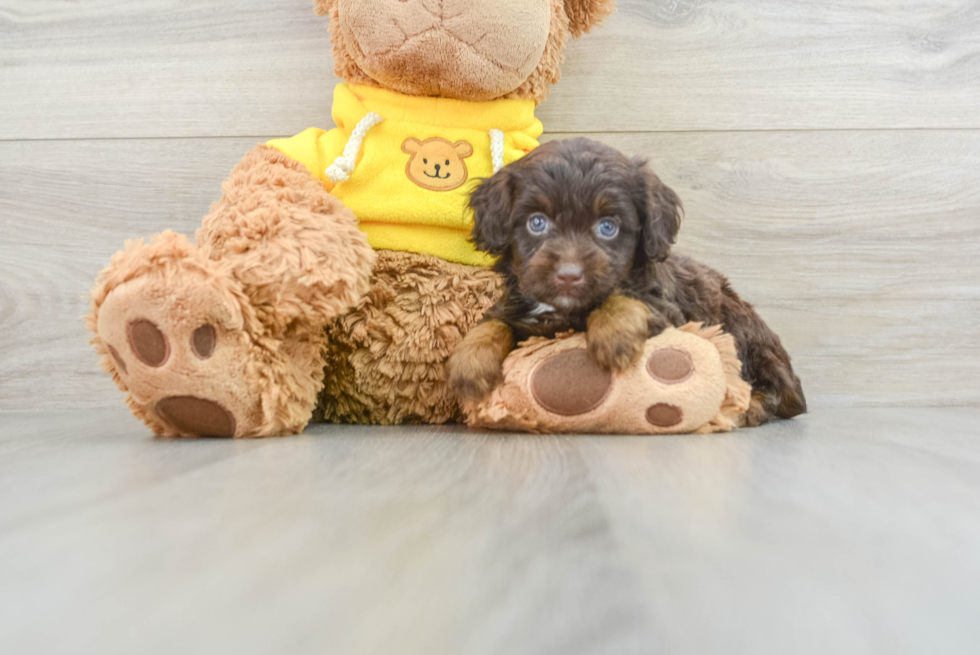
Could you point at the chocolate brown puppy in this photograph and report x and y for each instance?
(584, 234)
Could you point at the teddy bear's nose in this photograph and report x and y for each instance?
(438, 166)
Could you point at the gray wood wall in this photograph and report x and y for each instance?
(828, 154)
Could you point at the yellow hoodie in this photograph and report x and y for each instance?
(410, 163)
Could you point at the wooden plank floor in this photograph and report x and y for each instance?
(852, 531)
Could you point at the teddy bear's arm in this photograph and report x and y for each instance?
(315, 149)
(305, 244)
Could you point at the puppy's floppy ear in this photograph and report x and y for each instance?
(583, 15)
(659, 210)
(492, 203)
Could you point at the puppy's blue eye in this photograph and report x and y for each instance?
(537, 224)
(607, 228)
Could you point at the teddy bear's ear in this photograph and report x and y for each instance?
(463, 149)
(583, 15)
(323, 7)
(411, 145)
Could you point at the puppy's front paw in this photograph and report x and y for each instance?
(472, 376)
(476, 366)
(617, 332)
(615, 351)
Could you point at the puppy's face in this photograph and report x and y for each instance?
(573, 220)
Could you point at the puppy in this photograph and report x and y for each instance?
(583, 235)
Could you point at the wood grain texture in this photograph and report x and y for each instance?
(847, 531)
(65, 207)
(861, 249)
(194, 68)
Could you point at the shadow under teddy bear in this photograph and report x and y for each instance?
(335, 275)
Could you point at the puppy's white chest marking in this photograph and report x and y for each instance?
(542, 308)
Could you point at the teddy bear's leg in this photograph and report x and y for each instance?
(225, 338)
(686, 380)
(386, 359)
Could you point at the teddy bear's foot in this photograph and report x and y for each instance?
(180, 336)
(687, 380)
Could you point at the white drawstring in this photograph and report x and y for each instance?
(343, 166)
(497, 149)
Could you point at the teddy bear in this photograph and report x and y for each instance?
(335, 274)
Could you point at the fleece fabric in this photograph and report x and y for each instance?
(413, 171)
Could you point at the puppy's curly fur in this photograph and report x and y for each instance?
(584, 235)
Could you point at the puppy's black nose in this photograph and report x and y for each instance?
(569, 275)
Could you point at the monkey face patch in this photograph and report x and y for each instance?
(436, 164)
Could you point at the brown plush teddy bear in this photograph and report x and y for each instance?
(335, 275)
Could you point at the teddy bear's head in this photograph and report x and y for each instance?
(463, 49)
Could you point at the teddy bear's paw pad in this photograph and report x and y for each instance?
(198, 416)
(148, 343)
(670, 366)
(117, 358)
(203, 341)
(180, 350)
(570, 383)
(664, 416)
